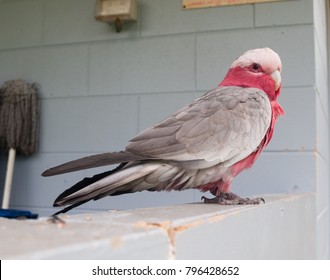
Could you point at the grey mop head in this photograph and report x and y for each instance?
(18, 116)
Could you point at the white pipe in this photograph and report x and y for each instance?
(9, 178)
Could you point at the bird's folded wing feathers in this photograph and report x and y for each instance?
(91, 162)
(224, 125)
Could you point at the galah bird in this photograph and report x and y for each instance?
(203, 146)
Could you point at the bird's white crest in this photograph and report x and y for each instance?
(266, 57)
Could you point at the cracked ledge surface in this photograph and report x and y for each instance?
(283, 228)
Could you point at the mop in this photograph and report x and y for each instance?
(18, 131)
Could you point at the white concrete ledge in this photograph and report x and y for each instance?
(283, 228)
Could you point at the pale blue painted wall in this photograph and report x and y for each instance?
(99, 88)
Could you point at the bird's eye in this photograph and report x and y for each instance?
(255, 66)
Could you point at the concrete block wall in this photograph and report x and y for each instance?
(171, 232)
(99, 88)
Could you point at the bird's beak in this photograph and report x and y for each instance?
(277, 79)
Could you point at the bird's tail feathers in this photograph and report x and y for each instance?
(104, 184)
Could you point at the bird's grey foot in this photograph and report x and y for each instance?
(232, 199)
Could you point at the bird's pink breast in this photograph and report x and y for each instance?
(239, 76)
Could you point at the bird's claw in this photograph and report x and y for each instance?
(232, 199)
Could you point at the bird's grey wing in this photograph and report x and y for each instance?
(224, 125)
(91, 162)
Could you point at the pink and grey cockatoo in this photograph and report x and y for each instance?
(203, 146)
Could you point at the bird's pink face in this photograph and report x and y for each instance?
(256, 68)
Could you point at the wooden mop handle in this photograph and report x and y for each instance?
(9, 178)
